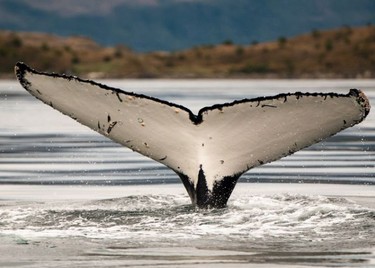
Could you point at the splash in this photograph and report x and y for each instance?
(261, 221)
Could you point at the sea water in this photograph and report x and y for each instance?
(72, 198)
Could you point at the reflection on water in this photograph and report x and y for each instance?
(40, 146)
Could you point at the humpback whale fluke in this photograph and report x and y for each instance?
(210, 150)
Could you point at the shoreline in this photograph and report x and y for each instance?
(334, 54)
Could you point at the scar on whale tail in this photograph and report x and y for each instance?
(210, 150)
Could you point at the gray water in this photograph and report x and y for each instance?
(86, 201)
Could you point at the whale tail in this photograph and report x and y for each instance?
(209, 150)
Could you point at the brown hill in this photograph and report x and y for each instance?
(340, 53)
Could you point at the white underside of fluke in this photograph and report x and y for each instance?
(222, 140)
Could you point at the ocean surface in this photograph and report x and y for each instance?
(72, 198)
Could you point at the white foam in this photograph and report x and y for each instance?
(253, 219)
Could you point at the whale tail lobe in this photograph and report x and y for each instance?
(209, 150)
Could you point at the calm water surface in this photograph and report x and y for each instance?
(52, 198)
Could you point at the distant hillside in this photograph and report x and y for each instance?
(342, 53)
(170, 25)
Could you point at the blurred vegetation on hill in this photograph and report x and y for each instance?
(340, 53)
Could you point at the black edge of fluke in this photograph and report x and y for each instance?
(358, 94)
(21, 69)
(362, 100)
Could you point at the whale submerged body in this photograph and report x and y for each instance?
(210, 150)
